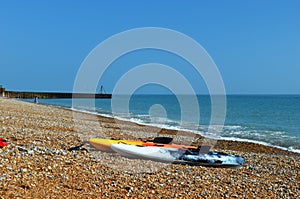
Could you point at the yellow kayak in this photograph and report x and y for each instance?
(103, 144)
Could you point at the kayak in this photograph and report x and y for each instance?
(159, 154)
(179, 156)
(211, 159)
(177, 146)
(104, 144)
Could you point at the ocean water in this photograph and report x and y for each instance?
(267, 119)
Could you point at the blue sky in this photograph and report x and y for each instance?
(255, 44)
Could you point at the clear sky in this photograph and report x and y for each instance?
(255, 44)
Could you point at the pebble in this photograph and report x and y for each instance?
(23, 170)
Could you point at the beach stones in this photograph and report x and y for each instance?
(36, 163)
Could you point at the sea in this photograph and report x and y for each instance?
(272, 120)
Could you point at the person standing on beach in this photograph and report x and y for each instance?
(36, 99)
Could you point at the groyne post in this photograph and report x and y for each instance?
(2, 91)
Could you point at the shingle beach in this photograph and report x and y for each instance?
(38, 163)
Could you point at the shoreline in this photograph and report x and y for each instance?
(232, 139)
(36, 162)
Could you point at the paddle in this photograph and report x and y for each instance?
(162, 140)
(76, 148)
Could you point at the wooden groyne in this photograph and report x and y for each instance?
(48, 95)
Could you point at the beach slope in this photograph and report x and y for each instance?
(38, 163)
